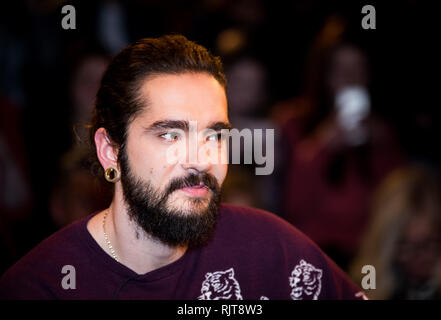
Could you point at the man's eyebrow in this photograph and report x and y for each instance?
(219, 125)
(168, 124)
(184, 125)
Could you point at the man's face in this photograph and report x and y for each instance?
(175, 202)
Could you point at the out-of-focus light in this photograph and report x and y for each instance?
(353, 106)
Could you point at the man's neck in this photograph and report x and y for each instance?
(133, 247)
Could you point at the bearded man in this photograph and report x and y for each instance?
(165, 234)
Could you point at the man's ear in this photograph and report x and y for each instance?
(107, 155)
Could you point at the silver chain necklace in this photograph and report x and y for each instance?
(112, 251)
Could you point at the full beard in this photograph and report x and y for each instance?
(192, 225)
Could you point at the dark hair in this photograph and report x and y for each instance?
(118, 99)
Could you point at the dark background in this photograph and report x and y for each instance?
(38, 58)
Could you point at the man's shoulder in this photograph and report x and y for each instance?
(249, 213)
(275, 243)
(264, 230)
(254, 220)
(64, 240)
(46, 259)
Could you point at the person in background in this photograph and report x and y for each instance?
(248, 94)
(84, 83)
(403, 239)
(248, 100)
(336, 150)
(16, 197)
(75, 191)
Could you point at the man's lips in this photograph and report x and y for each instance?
(196, 191)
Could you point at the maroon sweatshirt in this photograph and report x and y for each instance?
(253, 255)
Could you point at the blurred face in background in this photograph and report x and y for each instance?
(85, 84)
(348, 67)
(419, 250)
(246, 87)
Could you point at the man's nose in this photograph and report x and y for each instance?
(198, 159)
(200, 166)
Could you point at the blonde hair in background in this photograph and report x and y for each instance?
(406, 192)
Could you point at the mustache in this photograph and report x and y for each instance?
(194, 180)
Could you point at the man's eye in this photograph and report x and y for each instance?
(214, 137)
(170, 136)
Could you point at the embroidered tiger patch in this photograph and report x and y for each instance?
(220, 285)
(305, 281)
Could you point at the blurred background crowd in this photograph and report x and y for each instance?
(357, 160)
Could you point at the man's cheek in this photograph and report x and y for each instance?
(220, 172)
(174, 153)
(208, 153)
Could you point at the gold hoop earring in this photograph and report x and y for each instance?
(112, 174)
